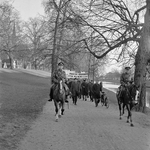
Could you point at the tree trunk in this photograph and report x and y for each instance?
(54, 52)
(10, 59)
(140, 77)
(142, 57)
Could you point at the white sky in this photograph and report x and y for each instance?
(28, 8)
(31, 8)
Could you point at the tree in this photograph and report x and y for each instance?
(9, 30)
(58, 9)
(35, 33)
(115, 27)
(143, 58)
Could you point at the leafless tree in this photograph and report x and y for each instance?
(9, 30)
(35, 33)
(116, 27)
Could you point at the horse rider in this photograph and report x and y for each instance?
(125, 80)
(58, 75)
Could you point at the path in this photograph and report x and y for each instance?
(84, 127)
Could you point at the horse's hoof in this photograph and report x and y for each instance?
(59, 116)
(132, 125)
(56, 120)
(120, 118)
(127, 121)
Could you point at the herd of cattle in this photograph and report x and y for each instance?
(84, 89)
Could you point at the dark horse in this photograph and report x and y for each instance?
(127, 99)
(59, 97)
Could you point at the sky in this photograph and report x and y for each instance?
(28, 8)
(31, 8)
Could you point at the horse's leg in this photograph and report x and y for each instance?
(63, 106)
(128, 109)
(59, 110)
(123, 106)
(131, 115)
(56, 110)
(119, 104)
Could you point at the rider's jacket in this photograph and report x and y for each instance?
(125, 78)
(58, 75)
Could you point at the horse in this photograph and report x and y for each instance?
(59, 97)
(127, 99)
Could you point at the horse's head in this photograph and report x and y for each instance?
(61, 89)
(134, 92)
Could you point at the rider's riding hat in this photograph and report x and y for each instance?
(61, 64)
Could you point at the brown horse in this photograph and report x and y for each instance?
(59, 97)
